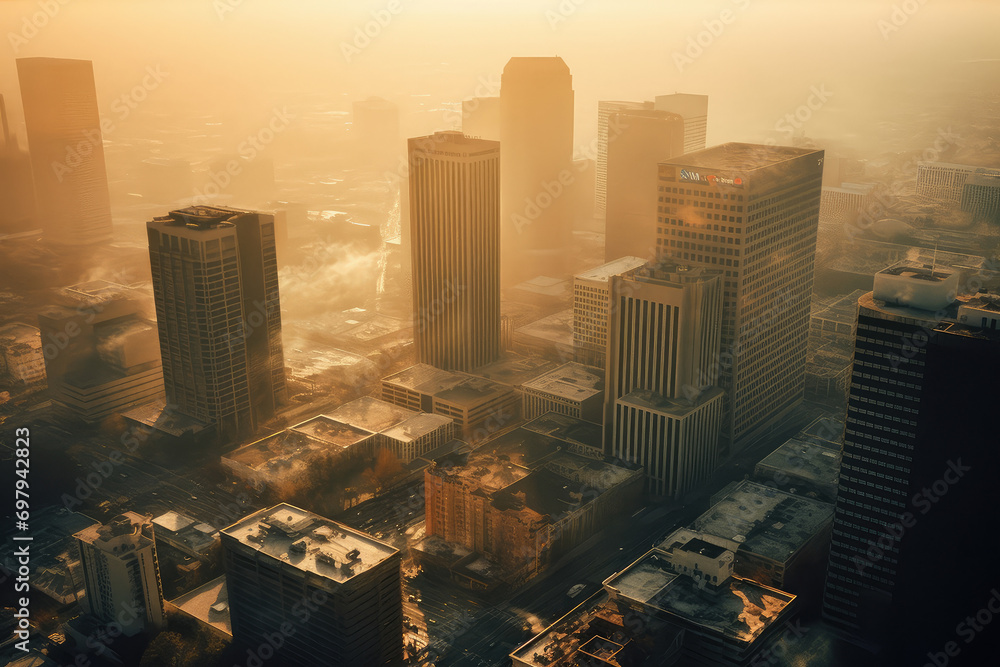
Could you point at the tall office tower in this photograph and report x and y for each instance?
(694, 110)
(591, 306)
(337, 587)
(481, 118)
(17, 190)
(215, 282)
(455, 235)
(112, 360)
(605, 109)
(751, 211)
(943, 180)
(376, 127)
(67, 150)
(919, 459)
(121, 574)
(643, 140)
(663, 337)
(536, 132)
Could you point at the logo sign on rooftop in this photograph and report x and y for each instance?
(710, 178)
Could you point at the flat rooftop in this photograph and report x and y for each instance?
(332, 431)
(813, 454)
(568, 429)
(673, 407)
(95, 291)
(209, 604)
(471, 391)
(615, 267)
(765, 521)
(555, 328)
(424, 379)
(514, 369)
(739, 156)
(309, 542)
(572, 381)
(741, 609)
(370, 414)
(417, 426)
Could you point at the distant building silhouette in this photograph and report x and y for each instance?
(751, 211)
(694, 110)
(121, 574)
(215, 282)
(67, 149)
(455, 237)
(339, 589)
(536, 133)
(17, 189)
(606, 109)
(919, 457)
(642, 140)
(663, 334)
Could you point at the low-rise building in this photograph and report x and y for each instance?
(21, 356)
(572, 389)
(808, 463)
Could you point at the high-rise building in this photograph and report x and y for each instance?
(112, 362)
(455, 236)
(943, 180)
(536, 132)
(17, 190)
(215, 283)
(694, 110)
(751, 211)
(591, 305)
(337, 588)
(121, 574)
(607, 133)
(981, 195)
(67, 149)
(481, 118)
(643, 140)
(918, 460)
(663, 335)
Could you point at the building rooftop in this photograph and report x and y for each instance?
(128, 524)
(418, 425)
(674, 407)
(424, 379)
(452, 143)
(209, 604)
(765, 521)
(739, 156)
(555, 328)
(185, 533)
(309, 543)
(740, 609)
(572, 381)
(568, 429)
(813, 455)
(514, 369)
(615, 267)
(370, 414)
(332, 432)
(15, 333)
(471, 391)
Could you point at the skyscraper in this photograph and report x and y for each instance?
(591, 306)
(455, 234)
(663, 334)
(121, 574)
(919, 459)
(751, 211)
(536, 133)
(605, 109)
(215, 283)
(643, 139)
(17, 191)
(67, 149)
(694, 110)
(338, 589)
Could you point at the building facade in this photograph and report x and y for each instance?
(67, 150)
(215, 283)
(608, 133)
(591, 308)
(121, 574)
(694, 110)
(455, 236)
(752, 212)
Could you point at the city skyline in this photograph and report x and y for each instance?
(499, 334)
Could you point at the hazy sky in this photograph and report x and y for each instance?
(766, 58)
